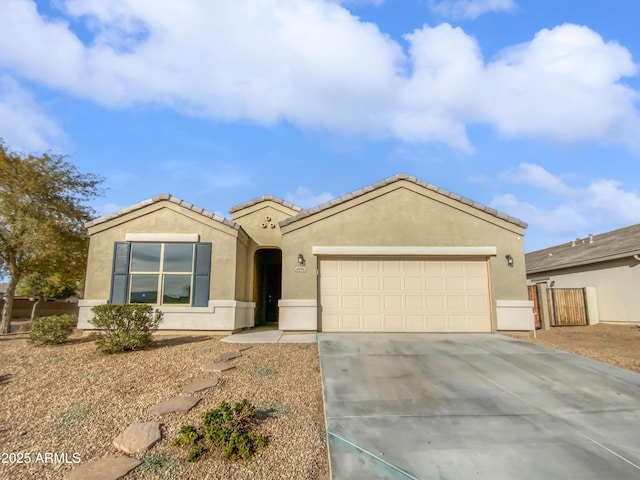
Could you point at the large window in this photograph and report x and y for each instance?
(161, 273)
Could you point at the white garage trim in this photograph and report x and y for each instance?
(406, 251)
(404, 294)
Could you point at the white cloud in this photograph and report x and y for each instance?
(305, 198)
(536, 176)
(563, 85)
(314, 64)
(598, 206)
(23, 122)
(470, 9)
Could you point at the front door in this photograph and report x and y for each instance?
(268, 283)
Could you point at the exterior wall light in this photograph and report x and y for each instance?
(301, 259)
(509, 259)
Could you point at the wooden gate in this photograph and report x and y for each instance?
(532, 291)
(567, 306)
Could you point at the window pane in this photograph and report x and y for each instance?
(176, 289)
(144, 289)
(178, 257)
(145, 257)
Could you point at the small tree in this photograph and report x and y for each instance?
(42, 216)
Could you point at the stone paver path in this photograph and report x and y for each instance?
(201, 384)
(175, 404)
(108, 468)
(225, 357)
(216, 367)
(138, 437)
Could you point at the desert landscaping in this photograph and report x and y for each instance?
(72, 399)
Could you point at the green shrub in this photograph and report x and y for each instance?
(230, 429)
(52, 330)
(195, 454)
(227, 428)
(125, 327)
(188, 436)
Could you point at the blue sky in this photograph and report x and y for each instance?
(528, 106)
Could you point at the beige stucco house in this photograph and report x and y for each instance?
(400, 255)
(608, 264)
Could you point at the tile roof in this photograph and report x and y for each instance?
(160, 198)
(265, 198)
(597, 248)
(396, 178)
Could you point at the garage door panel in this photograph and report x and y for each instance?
(436, 323)
(434, 284)
(414, 302)
(415, 323)
(393, 302)
(457, 323)
(393, 323)
(349, 282)
(455, 284)
(351, 322)
(371, 302)
(372, 323)
(391, 283)
(351, 302)
(404, 294)
(413, 284)
(370, 283)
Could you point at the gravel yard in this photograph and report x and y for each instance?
(617, 345)
(72, 399)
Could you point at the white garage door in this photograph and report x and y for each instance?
(404, 294)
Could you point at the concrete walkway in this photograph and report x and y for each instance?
(481, 406)
(270, 335)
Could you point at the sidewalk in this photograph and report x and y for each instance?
(270, 335)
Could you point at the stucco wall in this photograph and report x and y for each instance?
(403, 214)
(164, 217)
(616, 283)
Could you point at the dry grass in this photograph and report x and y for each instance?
(617, 345)
(72, 399)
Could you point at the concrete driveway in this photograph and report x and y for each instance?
(462, 406)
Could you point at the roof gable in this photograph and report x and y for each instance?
(265, 198)
(162, 198)
(593, 249)
(396, 178)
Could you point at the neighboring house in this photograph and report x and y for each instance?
(3, 290)
(400, 255)
(609, 262)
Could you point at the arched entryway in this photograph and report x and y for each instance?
(267, 285)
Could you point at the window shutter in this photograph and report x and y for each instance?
(120, 274)
(202, 267)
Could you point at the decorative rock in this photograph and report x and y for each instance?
(200, 384)
(216, 367)
(241, 348)
(225, 357)
(175, 404)
(138, 437)
(107, 468)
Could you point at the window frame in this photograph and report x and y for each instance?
(161, 274)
